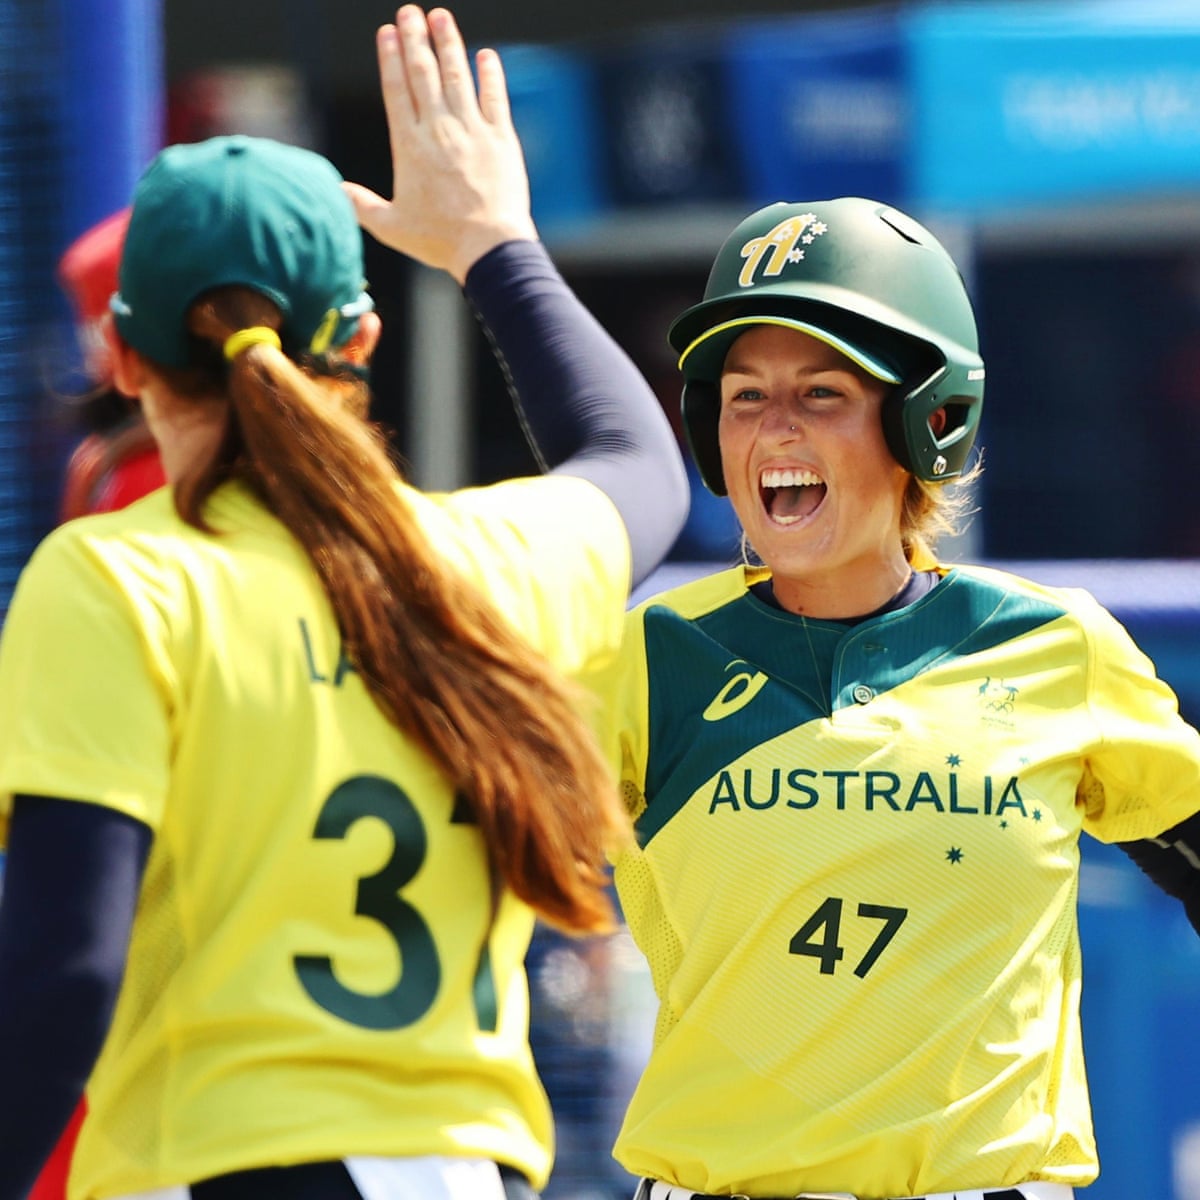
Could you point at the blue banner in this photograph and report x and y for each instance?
(113, 111)
(820, 106)
(1032, 103)
(552, 93)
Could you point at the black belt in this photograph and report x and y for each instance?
(316, 1181)
(643, 1193)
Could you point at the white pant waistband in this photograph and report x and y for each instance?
(654, 1189)
(433, 1177)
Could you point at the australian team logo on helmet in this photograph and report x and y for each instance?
(869, 281)
(773, 250)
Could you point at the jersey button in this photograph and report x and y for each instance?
(862, 694)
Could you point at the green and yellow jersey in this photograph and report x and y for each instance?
(856, 877)
(318, 965)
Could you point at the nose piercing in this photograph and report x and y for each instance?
(792, 428)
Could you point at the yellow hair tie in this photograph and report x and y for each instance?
(256, 335)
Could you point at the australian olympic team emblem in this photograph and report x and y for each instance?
(782, 245)
(997, 696)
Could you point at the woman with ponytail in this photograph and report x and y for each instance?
(291, 753)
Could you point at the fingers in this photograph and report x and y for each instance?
(459, 185)
(493, 91)
(436, 63)
(458, 88)
(398, 104)
(419, 62)
(426, 54)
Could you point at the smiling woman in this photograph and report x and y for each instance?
(880, 307)
(809, 473)
(839, 757)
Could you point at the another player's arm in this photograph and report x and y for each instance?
(586, 409)
(1172, 861)
(460, 203)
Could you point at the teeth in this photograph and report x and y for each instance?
(776, 478)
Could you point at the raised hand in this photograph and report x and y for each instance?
(459, 185)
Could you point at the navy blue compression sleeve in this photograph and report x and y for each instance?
(71, 884)
(1172, 860)
(585, 407)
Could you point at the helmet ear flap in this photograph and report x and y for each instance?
(701, 410)
(933, 449)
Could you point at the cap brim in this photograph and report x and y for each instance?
(704, 358)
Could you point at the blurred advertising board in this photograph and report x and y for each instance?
(1037, 103)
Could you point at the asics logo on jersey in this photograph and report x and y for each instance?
(784, 244)
(737, 692)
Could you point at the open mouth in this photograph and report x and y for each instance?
(790, 495)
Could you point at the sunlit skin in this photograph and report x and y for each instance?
(185, 429)
(834, 548)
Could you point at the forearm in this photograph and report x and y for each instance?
(585, 406)
(1172, 861)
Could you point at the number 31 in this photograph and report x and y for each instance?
(378, 897)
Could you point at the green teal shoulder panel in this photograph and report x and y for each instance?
(966, 614)
(719, 685)
(724, 681)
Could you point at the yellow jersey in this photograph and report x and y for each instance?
(856, 877)
(318, 967)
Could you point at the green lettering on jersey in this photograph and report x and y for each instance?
(344, 667)
(955, 807)
(724, 793)
(1011, 798)
(841, 777)
(377, 897)
(810, 794)
(924, 791)
(314, 675)
(748, 790)
(883, 785)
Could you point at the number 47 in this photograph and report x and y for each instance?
(820, 935)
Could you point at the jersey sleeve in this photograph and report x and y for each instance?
(552, 553)
(85, 712)
(623, 719)
(1143, 774)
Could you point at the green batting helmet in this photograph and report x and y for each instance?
(871, 282)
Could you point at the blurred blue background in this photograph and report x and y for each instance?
(1055, 147)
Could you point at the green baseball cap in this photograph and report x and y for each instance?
(240, 210)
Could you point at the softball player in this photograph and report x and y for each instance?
(288, 745)
(859, 776)
(113, 464)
